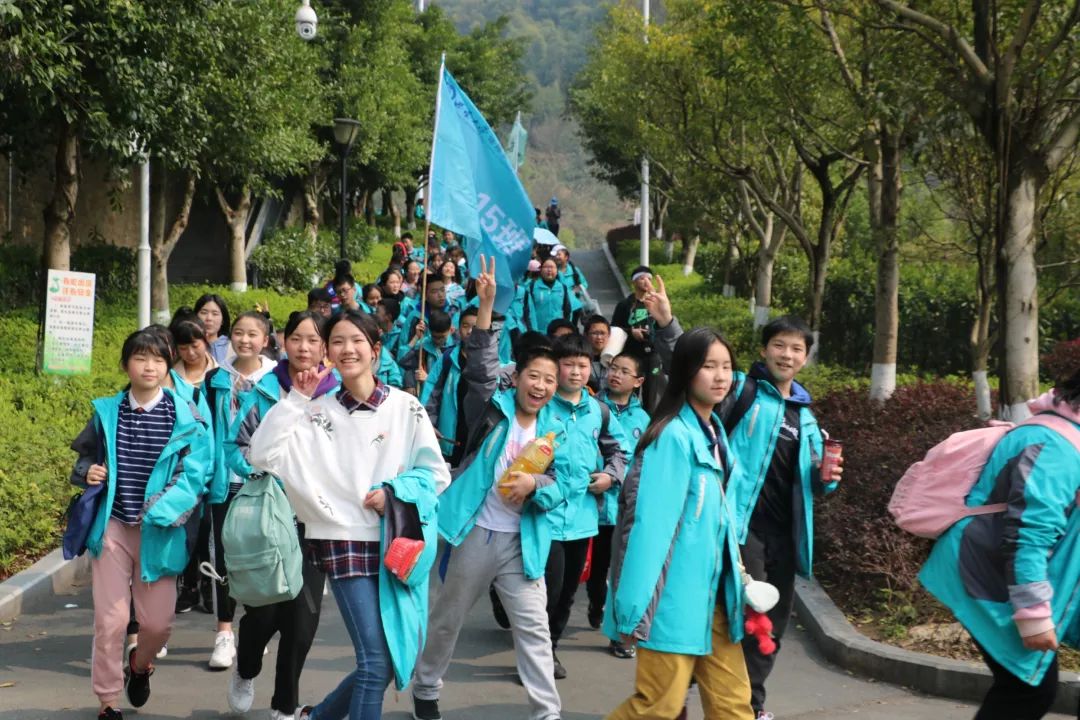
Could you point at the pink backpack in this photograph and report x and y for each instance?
(930, 496)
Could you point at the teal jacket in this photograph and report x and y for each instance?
(219, 387)
(460, 504)
(427, 351)
(674, 550)
(594, 442)
(173, 491)
(753, 441)
(440, 397)
(403, 606)
(188, 392)
(543, 303)
(389, 371)
(633, 419)
(992, 570)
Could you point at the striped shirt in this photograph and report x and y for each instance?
(142, 432)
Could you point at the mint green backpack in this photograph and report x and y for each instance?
(263, 559)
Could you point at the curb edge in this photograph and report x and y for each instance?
(843, 645)
(47, 578)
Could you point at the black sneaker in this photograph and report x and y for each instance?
(186, 600)
(498, 610)
(137, 684)
(110, 713)
(206, 592)
(425, 709)
(560, 671)
(596, 616)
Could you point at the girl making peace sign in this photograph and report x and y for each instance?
(337, 454)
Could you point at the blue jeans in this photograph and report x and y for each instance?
(360, 695)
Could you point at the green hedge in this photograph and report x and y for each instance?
(286, 261)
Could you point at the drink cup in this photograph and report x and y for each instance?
(834, 451)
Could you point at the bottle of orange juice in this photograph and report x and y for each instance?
(534, 459)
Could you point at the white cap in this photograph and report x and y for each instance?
(559, 248)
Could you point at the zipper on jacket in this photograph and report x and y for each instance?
(701, 496)
(471, 524)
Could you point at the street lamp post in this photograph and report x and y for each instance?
(345, 132)
(644, 253)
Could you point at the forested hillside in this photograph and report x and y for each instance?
(558, 33)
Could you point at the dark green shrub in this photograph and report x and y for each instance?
(114, 267)
(20, 274)
(858, 549)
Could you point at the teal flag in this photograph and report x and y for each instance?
(475, 191)
(515, 146)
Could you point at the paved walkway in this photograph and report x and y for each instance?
(46, 656)
(45, 661)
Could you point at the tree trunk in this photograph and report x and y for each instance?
(885, 184)
(60, 212)
(389, 206)
(410, 208)
(819, 268)
(763, 287)
(159, 201)
(727, 289)
(312, 216)
(1019, 294)
(236, 219)
(980, 355)
(161, 249)
(690, 248)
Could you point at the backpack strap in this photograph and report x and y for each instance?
(742, 404)
(565, 301)
(577, 275)
(1059, 424)
(525, 314)
(605, 416)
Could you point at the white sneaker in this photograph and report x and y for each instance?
(224, 651)
(278, 715)
(162, 652)
(241, 693)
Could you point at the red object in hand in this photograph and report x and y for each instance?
(402, 556)
(760, 627)
(833, 451)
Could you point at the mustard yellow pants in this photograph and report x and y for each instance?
(662, 680)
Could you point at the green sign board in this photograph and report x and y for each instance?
(69, 323)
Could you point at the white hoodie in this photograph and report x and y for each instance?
(329, 458)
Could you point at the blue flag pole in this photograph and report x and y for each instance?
(427, 197)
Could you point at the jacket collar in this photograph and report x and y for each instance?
(703, 440)
(633, 404)
(582, 405)
(799, 394)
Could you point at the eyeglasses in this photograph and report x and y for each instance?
(620, 371)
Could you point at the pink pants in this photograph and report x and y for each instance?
(116, 583)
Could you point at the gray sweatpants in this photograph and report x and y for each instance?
(483, 557)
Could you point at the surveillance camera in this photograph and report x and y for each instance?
(306, 21)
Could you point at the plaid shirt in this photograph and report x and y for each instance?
(350, 558)
(342, 559)
(378, 395)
